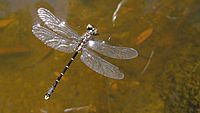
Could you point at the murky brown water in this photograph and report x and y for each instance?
(164, 78)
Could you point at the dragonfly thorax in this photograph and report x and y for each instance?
(91, 31)
(85, 38)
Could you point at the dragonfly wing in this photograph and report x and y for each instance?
(54, 40)
(100, 65)
(55, 24)
(112, 51)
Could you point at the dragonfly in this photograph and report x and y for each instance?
(59, 35)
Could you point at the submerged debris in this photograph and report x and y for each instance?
(43, 111)
(151, 6)
(117, 10)
(148, 62)
(144, 35)
(13, 50)
(179, 82)
(5, 22)
(90, 107)
(171, 17)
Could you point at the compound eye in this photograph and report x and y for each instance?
(95, 31)
(89, 27)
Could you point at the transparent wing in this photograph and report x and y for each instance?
(100, 65)
(54, 40)
(55, 24)
(112, 51)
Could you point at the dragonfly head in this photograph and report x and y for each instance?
(91, 30)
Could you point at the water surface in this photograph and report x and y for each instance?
(164, 78)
